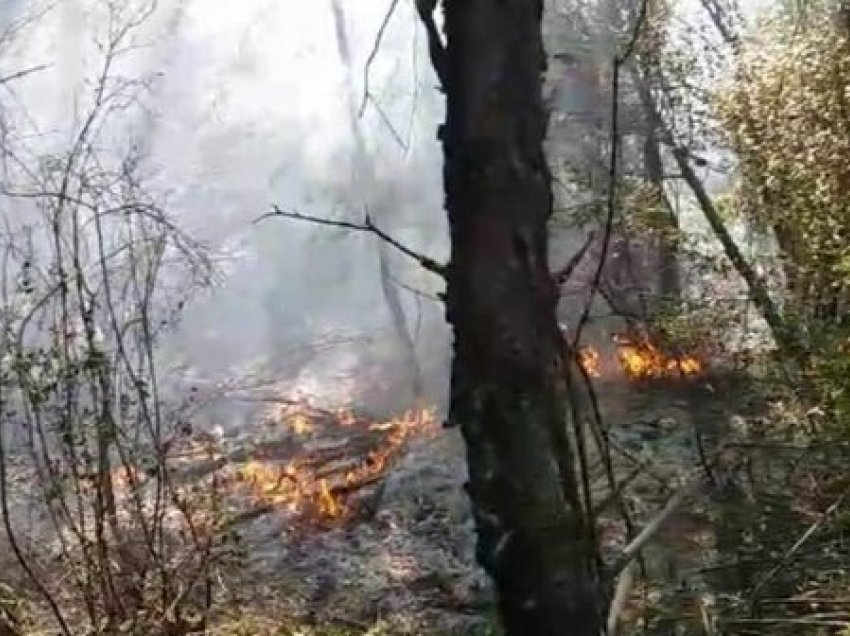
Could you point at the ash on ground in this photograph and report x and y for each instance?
(407, 562)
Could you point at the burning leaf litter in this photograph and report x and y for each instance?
(639, 358)
(318, 460)
(312, 465)
(589, 360)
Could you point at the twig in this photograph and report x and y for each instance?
(619, 489)
(563, 275)
(418, 293)
(389, 124)
(366, 226)
(22, 73)
(373, 53)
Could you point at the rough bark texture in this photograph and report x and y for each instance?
(508, 393)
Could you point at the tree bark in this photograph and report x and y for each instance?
(508, 391)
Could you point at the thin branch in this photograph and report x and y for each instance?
(715, 13)
(785, 336)
(366, 226)
(382, 114)
(418, 293)
(373, 53)
(633, 40)
(637, 544)
(619, 61)
(22, 73)
(563, 275)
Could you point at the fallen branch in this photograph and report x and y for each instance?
(621, 595)
(687, 484)
(366, 226)
(649, 531)
(624, 568)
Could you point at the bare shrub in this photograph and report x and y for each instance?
(94, 270)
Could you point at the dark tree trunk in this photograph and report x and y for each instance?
(508, 391)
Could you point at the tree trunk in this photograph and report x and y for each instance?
(508, 391)
(668, 246)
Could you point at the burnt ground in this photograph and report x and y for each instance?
(404, 563)
(409, 565)
(678, 420)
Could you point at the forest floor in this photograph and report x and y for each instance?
(378, 537)
(407, 567)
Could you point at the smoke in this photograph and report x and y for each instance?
(245, 105)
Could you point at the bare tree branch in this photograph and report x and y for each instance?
(22, 73)
(382, 114)
(366, 226)
(562, 275)
(649, 531)
(373, 53)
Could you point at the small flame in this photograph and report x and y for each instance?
(329, 505)
(301, 425)
(298, 486)
(588, 358)
(642, 359)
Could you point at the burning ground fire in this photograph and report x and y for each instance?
(314, 465)
(641, 359)
(340, 455)
(319, 466)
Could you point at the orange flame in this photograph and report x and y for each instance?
(642, 359)
(329, 505)
(588, 358)
(297, 486)
(301, 424)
